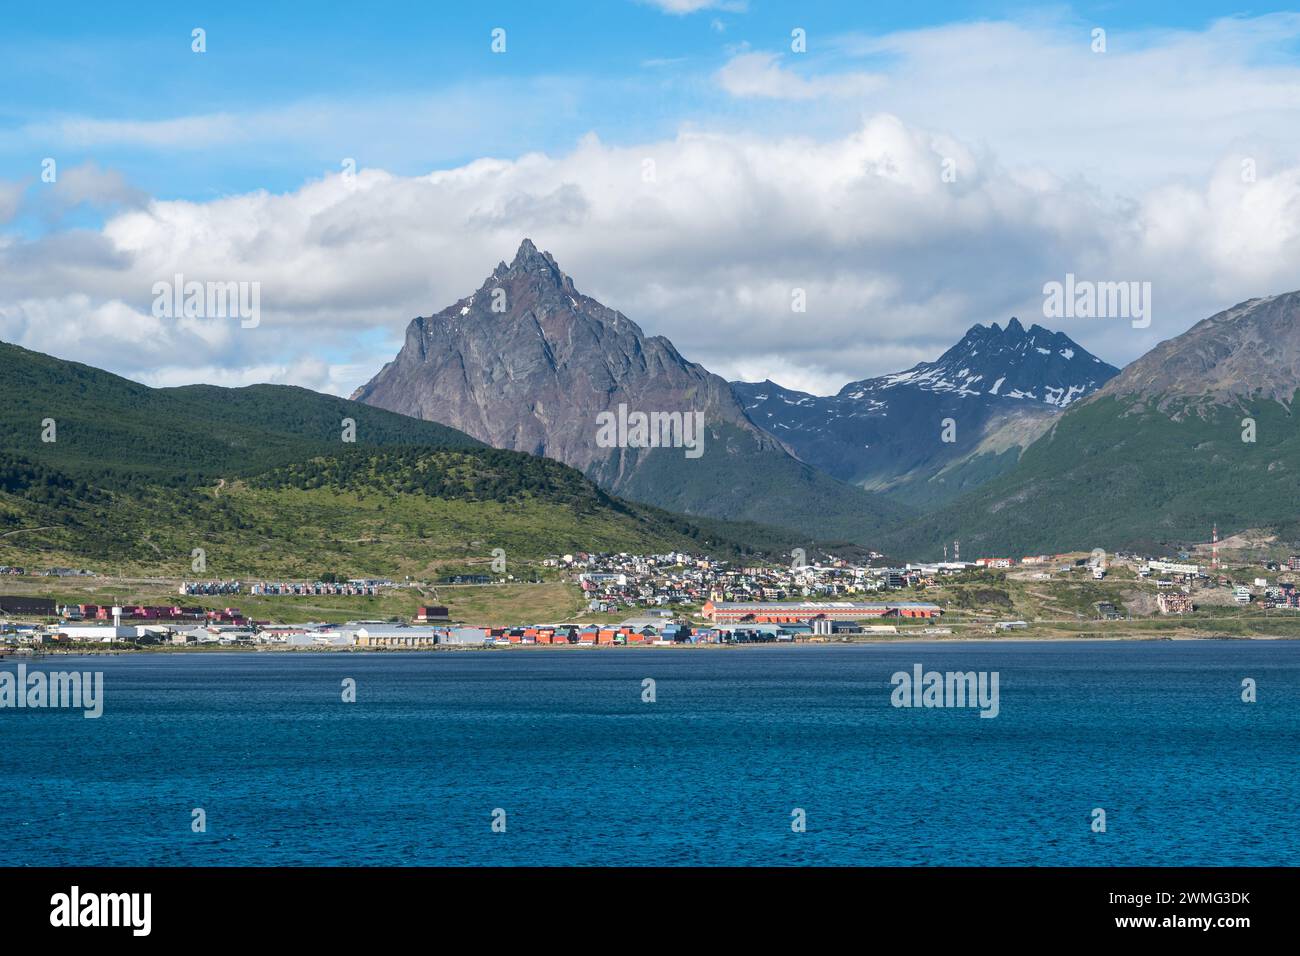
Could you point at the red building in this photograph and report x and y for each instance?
(757, 612)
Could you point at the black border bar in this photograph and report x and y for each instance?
(330, 905)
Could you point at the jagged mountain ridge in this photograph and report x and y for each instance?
(1030, 365)
(552, 348)
(1198, 432)
(528, 362)
(1000, 387)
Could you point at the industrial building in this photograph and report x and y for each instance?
(736, 612)
(104, 633)
(27, 606)
(384, 635)
(387, 635)
(463, 636)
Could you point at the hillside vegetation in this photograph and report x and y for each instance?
(261, 480)
(1120, 473)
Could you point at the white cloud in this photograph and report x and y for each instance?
(683, 7)
(778, 368)
(90, 185)
(186, 132)
(307, 372)
(1126, 166)
(761, 74)
(894, 262)
(1156, 105)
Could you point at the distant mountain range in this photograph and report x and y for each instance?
(528, 362)
(1053, 449)
(1199, 431)
(940, 428)
(1014, 439)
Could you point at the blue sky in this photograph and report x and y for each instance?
(624, 70)
(777, 170)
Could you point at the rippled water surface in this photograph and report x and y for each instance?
(1155, 733)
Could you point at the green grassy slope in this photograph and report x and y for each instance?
(1117, 474)
(108, 426)
(260, 479)
(365, 511)
(735, 482)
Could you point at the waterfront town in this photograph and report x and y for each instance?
(630, 599)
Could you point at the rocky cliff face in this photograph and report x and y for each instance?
(1252, 349)
(529, 363)
(533, 373)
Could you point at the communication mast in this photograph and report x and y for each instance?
(1214, 547)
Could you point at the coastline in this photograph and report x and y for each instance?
(24, 655)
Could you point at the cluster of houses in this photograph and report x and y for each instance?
(612, 582)
(741, 603)
(359, 587)
(1177, 582)
(47, 572)
(356, 588)
(209, 588)
(1284, 595)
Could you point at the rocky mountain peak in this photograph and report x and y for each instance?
(1251, 349)
(1002, 384)
(533, 267)
(528, 363)
(994, 363)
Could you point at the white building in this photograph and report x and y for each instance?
(390, 635)
(104, 633)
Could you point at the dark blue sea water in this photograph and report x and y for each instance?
(1154, 733)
